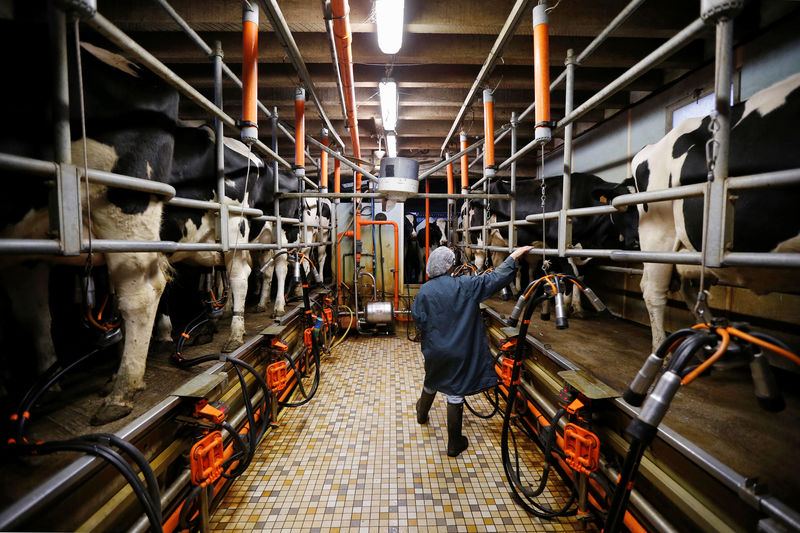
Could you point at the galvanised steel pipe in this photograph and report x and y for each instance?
(771, 260)
(30, 246)
(131, 47)
(213, 206)
(503, 38)
(657, 56)
(99, 177)
(779, 178)
(339, 157)
(564, 224)
(622, 201)
(197, 40)
(677, 258)
(281, 29)
(249, 72)
(448, 160)
(323, 163)
(219, 142)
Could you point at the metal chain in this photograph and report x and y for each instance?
(701, 308)
(89, 257)
(545, 262)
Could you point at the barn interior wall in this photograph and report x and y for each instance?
(607, 149)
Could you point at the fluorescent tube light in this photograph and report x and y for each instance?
(389, 19)
(388, 94)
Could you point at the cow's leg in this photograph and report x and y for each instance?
(27, 289)
(322, 254)
(281, 269)
(266, 281)
(238, 264)
(139, 280)
(655, 282)
(162, 335)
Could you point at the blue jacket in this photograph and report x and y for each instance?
(454, 343)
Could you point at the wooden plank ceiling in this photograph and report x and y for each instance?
(444, 46)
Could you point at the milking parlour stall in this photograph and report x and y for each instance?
(595, 330)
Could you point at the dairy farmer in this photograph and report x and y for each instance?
(457, 358)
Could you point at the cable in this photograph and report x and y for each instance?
(494, 404)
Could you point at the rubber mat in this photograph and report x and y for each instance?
(355, 459)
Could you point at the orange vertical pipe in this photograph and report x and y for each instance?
(427, 225)
(488, 128)
(449, 176)
(300, 127)
(337, 176)
(464, 164)
(323, 162)
(343, 37)
(249, 71)
(541, 71)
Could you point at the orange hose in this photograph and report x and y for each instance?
(764, 344)
(721, 349)
(249, 71)
(488, 128)
(300, 128)
(343, 38)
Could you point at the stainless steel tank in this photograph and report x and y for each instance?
(379, 312)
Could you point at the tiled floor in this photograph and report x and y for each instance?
(355, 459)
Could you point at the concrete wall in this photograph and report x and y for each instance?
(607, 149)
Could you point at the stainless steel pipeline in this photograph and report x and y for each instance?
(564, 225)
(281, 29)
(503, 37)
(124, 42)
(29, 246)
(197, 40)
(684, 191)
(659, 54)
(214, 206)
(770, 260)
(448, 160)
(99, 177)
(343, 159)
(780, 178)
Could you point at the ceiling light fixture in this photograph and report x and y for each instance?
(391, 145)
(388, 94)
(389, 18)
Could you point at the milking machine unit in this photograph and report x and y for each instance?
(398, 181)
(578, 448)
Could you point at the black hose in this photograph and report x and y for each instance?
(183, 519)
(315, 352)
(512, 475)
(494, 404)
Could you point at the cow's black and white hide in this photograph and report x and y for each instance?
(317, 214)
(411, 265)
(763, 138)
(130, 116)
(266, 233)
(595, 231)
(194, 177)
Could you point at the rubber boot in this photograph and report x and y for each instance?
(456, 442)
(423, 406)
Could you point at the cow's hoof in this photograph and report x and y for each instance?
(261, 308)
(203, 338)
(578, 314)
(109, 413)
(161, 347)
(231, 345)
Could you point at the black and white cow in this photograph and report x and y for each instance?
(412, 270)
(763, 138)
(130, 116)
(595, 231)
